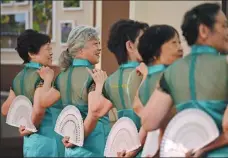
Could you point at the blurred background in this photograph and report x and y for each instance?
(57, 18)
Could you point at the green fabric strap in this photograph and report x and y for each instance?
(76, 63)
(22, 81)
(152, 70)
(130, 64)
(192, 78)
(33, 65)
(120, 82)
(108, 88)
(68, 92)
(195, 51)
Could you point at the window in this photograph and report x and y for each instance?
(21, 2)
(6, 3)
(43, 17)
(65, 28)
(12, 24)
(11, 2)
(72, 4)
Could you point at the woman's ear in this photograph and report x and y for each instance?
(80, 52)
(203, 31)
(129, 46)
(32, 55)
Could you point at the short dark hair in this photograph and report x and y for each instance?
(30, 41)
(201, 14)
(153, 38)
(120, 32)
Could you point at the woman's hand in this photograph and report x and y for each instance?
(128, 154)
(66, 142)
(99, 78)
(198, 153)
(142, 70)
(23, 131)
(46, 73)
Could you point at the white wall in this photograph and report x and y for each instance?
(163, 12)
(98, 25)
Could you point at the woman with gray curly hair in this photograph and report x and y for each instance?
(75, 84)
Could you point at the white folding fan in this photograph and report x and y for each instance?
(20, 113)
(152, 143)
(70, 123)
(189, 129)
(123, 136)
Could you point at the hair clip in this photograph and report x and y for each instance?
(158, 30)
(194, 16)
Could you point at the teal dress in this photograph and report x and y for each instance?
(200, 80)
(154, 74)
(73, 85)
(55, 111)
(120, 88)
(43, 143)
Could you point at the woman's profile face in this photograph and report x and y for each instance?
(44, 56)
(171, 51)
(92, 51)
(218, 37)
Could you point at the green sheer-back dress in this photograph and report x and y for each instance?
(154, 74)
(43, 143)
(73, 85)
(120, 88)
(200, 80)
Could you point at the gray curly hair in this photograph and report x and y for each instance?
(76, 41)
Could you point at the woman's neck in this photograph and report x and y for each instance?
(155, 62)
(33, 60)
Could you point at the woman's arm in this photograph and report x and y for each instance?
(156, 110)
(48, 95)
(137, 104)
(97, 103)
(44, 96)
(8, 102)
(157, 107)
(225, 121)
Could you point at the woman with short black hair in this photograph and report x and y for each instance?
(121, 86)
(35, 82)
(159, 47)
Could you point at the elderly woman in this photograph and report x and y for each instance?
(199, 80)
(75, 84)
